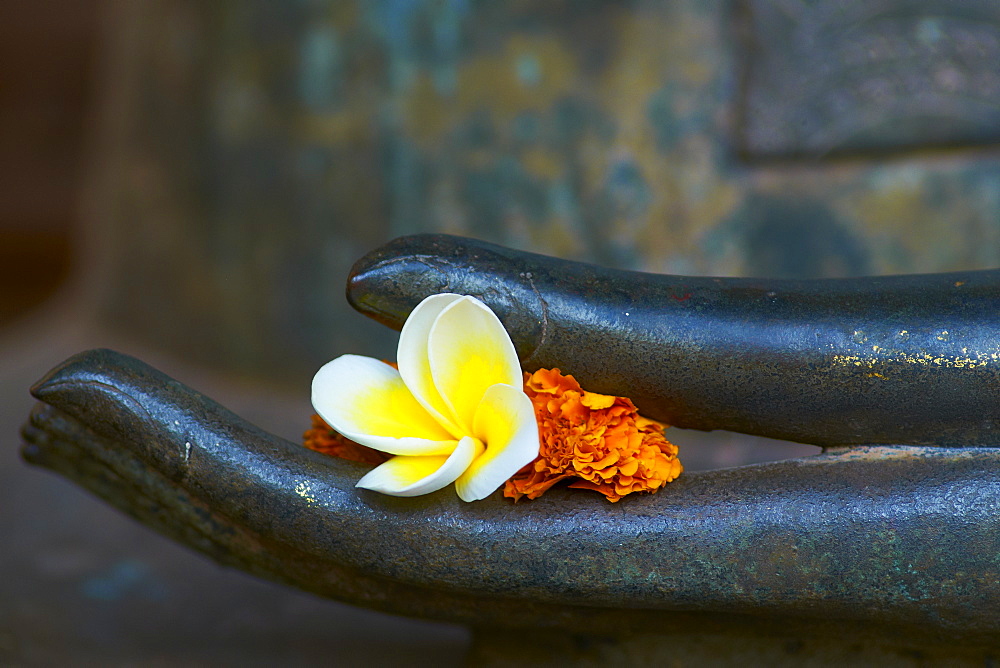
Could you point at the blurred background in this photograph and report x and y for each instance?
(190, 183)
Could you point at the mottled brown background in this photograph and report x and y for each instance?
(190, 182)
(259, 148)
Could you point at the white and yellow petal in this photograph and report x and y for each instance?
(505, 421)
(413, 476)
(414, 365)
(454, 412)
(367, 401)
(469, 351)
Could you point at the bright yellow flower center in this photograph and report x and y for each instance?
(455, 411)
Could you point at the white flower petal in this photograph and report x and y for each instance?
(505, 421)
(414, 365)
(469, 350)
(366, 401)
(412, 476)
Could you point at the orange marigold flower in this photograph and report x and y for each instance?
(599, 441)
(322, 438)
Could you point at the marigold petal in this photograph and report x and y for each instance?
(470, 351)
(505, 422)
(551, 381)
(367, 401)
(596, 401)
(599, 441)
(610, 459)
(516, 488)
(322, 438)
(629, 468)
(607, 490)
(413, 476)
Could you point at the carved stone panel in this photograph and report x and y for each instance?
(829, 76)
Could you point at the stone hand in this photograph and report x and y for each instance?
(896, 360)
(810, 536)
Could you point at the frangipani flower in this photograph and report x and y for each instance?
(455, 411)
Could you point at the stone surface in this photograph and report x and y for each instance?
(900, 539)
(87, 585)
(899, 360)
(846, 76)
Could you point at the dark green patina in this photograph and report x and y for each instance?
(894, 360)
